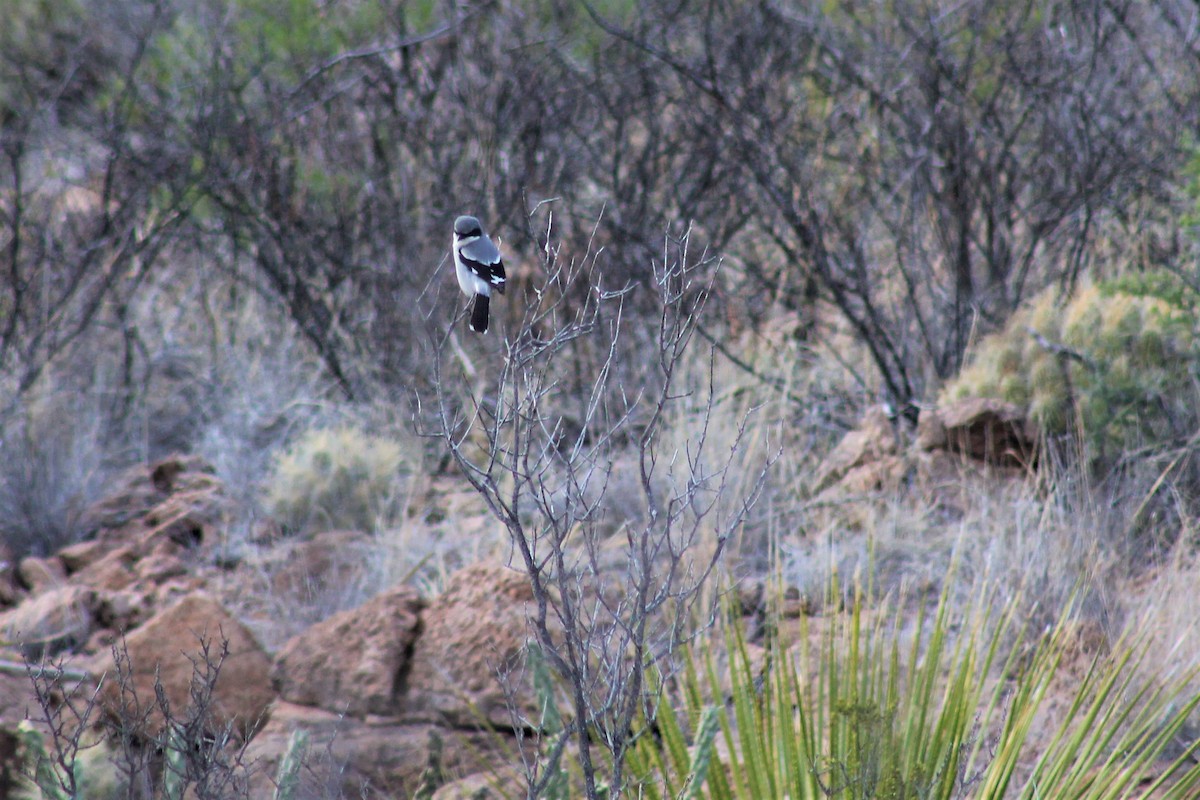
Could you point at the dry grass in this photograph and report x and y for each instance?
(54, 466)
(1154, 604)
(1011, 532)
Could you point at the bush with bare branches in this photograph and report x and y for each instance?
(617, 580)
(78, 744)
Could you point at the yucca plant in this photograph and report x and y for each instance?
(943, 708)
(287, 779)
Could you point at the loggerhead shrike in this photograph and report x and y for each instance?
(478, 266)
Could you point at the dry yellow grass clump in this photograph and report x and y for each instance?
(338, 478)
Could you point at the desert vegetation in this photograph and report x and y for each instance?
(758, 253)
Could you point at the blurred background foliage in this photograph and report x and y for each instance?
(220, 222)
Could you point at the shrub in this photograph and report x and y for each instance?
(338, 478)
(71, 748)
(54, 467)
(1120, 360)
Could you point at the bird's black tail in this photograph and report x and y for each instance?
(479, 314)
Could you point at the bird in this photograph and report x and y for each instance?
(479, 268)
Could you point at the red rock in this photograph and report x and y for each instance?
(871, 441)
(353, 662)
(182, 520)
(345, 754)
(75, 557)
(474, 630)
(111, 573)
(159, 568)
(169, 649)
(158, 497)
(984, 429)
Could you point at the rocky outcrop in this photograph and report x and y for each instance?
(177, 495)
(393, 693)
(973, 434)
(396, 656)
(144, 540)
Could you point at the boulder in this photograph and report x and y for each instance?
(873, 440)
(983, 429)
(75, 557)
(473, 635)
(347, 757)
(112, 572)
(355, 662)
(175, 648)
(52, 621)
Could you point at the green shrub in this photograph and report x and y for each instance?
(339, 478)
(1120, 360)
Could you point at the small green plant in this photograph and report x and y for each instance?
(553, 781)
(287, 780)
(44, 779)
(1119, 362)
(338, 478)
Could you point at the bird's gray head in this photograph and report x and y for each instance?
(467, 226)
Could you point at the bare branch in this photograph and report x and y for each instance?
(616, 578)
